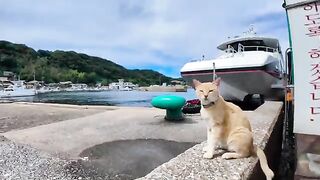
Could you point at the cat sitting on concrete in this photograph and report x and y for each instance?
(228, 126)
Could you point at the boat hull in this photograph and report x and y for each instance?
(236, 85)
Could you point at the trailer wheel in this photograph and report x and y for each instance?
(253, 101)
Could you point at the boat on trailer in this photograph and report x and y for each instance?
(250, 66)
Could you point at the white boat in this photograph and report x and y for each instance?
(122, 86)
(250, 66)
(15, 89)
(125, 89)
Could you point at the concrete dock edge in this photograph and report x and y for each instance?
(266, 126)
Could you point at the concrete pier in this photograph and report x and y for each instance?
(68, 138)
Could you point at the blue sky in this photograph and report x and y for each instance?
(139, 34)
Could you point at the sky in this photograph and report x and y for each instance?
(161, 35)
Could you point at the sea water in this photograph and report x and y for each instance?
(110, 98)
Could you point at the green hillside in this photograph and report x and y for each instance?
(60, 66)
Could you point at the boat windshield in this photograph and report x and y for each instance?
(251, 45)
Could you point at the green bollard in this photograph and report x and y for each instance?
(172, 104)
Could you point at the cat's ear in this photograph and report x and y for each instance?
(217, 82)
(196, 83)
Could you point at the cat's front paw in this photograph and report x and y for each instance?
(226, 156)
(205, 149)
(208, 155)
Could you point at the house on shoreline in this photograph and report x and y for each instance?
(121, 85)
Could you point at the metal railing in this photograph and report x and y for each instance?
(261, 48)
(242, 48)
(230, 51)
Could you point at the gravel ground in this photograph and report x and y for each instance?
(23, 162)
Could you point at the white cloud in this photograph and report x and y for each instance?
(135, 34)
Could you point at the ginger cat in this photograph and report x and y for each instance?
(228, 126)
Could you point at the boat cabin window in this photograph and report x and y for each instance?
(253, 45)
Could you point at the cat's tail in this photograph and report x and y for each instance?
(263, 162)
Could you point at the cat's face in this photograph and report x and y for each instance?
(208, 92)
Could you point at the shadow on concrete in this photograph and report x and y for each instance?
(129, 159)
(162, 121)
(246, 106)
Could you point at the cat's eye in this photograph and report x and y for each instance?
(201, 90)
(210, 91)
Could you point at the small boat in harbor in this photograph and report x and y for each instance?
(125, 89)
(122, 86)
(251, 66)
(164, 88)
(15, 89)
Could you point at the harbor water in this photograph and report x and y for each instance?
(109, 98)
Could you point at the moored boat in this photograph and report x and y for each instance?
(15, 89)
(251, 66)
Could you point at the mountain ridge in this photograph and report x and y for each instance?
(59, 65)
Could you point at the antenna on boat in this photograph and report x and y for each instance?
(214, 71)
(251, 30)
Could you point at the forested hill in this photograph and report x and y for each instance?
(57, 66)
